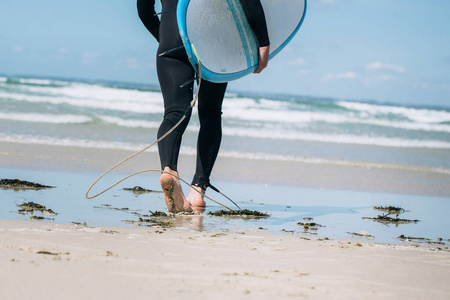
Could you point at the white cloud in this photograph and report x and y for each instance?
(17, 48)
(374, 80)
(63, 50)
(297, 62)
(339, 76)
(127, 63)
(89, 58)
(378, 66)
(61, 53)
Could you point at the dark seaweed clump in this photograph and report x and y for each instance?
(309, 226)
(159, 222)
(439, 241)
(108, 206)
(158, 213)
(245, 213)
(140, 190)
(157, 218)
(31, 208)
(17, 184)
(390, 209)
(361, 234)
(386, 219)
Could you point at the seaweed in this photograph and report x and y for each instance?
(158, 213)
(40, 218)
(17, 184)
(361, 234)
(129, 221)
(161, 222)
(157, 218)
(219, 234)
(421, 239)
(410, 238)
(45, 252)
(386, 220)
(108, 206)
(310, 225)
(31, 207)
(140, 190)
(244, 213)
(390, 209)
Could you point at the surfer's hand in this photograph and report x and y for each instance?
(263, 59)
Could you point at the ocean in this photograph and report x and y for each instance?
(113, 115)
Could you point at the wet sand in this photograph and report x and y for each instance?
(93, 261)
(302, 175)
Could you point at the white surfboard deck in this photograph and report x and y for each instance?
(217, 33)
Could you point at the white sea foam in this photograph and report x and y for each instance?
(130, 123)
(45, 118)
(37, 81)
(69, 142)
(98, 103)
(76, 103)
(88, 95)
(317, 160)
(301, 117)
(413, 114)
(286, 116)
(305, 117)
(337, 138)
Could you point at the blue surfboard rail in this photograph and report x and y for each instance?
(194, 59)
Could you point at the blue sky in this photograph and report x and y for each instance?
(389, 51)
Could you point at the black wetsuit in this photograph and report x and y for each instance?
(174, 69)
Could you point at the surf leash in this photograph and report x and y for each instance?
(188, 111)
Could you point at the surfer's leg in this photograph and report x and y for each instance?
(173, 69)
(172, 73)
(209, 138)
(169, 147)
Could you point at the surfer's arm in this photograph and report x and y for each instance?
(263, 59)
(147, 14)
(256, 18)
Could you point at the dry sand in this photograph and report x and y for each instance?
(50, 261)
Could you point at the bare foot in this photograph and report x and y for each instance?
(173, 193)
(196, 200)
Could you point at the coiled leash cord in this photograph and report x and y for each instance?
(188, 111)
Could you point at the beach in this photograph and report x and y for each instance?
(78, 262)
(356, 197)
(90, 259)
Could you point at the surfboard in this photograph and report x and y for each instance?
(217, 34)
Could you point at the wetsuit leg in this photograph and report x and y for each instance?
(210, 135)
(173, 70)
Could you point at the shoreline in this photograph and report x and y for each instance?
(297, 174)
(340, 200)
